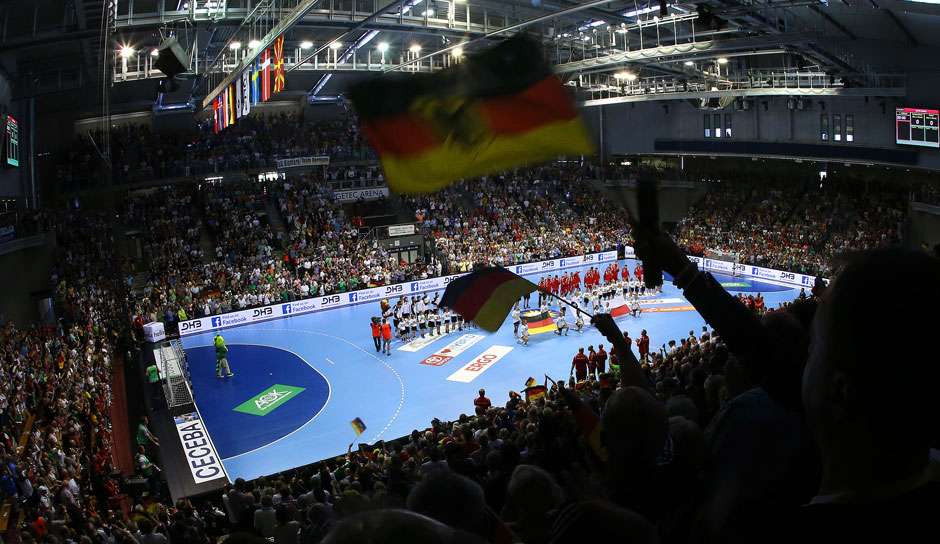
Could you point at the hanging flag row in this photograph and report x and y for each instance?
(257, 83)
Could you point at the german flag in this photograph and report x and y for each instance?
(486, 295)
(542, 323)
(499, 109)
(358, 426)
(535, 392)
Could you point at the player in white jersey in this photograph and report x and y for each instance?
(515, 321)
(579, 322)
(524, 332)
(561, 324)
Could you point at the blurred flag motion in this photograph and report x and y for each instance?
(486, 295)
(499, 109)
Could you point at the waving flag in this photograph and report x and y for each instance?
(485, 296)
(499, 109)
(358, 426)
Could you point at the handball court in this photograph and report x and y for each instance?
(300, 381)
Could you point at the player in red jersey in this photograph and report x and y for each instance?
(625, 274)
(579, 365)
(643, 344)
(638, 272)
(577, 280)
(601, 359)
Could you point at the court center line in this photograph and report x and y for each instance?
(329, 361)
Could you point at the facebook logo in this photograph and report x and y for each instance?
(754, 271)
(353, 297)
(216, 321)
(805, 280)
(519, 269)
(285, 309)
(414, 286)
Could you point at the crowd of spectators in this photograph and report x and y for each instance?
(140, 154)
(55, 396)
(792, 225)
(522, 216)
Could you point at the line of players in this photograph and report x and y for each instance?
(570, 282)
(421, 315)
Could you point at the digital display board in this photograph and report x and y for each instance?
(11, 138)
(917, 126)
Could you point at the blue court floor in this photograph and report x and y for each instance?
(300, 381)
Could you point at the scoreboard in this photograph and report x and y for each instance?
(917, 126)
(11, 141)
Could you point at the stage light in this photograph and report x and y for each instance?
(254, 44)
(689, 63)
(722, 60)
(155, 53)
(335, 45)
(306, 44)
(235, 46)
(415, 48)
(427, 13)
(127, 51)
(457, 52)
(631, 76)
(382, 47)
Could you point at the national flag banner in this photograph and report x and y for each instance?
(224, 105)
(238, 98)
(530, 382)
(216, 125)
(623, 309)
(539, 322)
(231, 103)
(246, 92)
(501, 108)
(255, 82)
(486, 295)
(279, 75)
(358, 426)
(266, 75)
(535, 392)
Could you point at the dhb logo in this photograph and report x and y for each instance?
(395, 288)
(548, 264)
(216, 321)
(414, 287)
(191, 325)
(353, 297)
(259, 312)
(787, 276)
(332, 299)
(285, 309)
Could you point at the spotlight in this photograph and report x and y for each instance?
(254, 44)
(306, 44)
(415, 48)
(235, 46)
(383, 47)
(127, 51)
(689, 63)
(722, 60)
(457, 52)
(335, 45)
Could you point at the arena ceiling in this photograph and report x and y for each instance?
(612, 49)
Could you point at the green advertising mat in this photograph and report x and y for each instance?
(266, 401)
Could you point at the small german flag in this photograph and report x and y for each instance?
(535, 392)
(499, 109)
(358, 426)
(486, 295)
